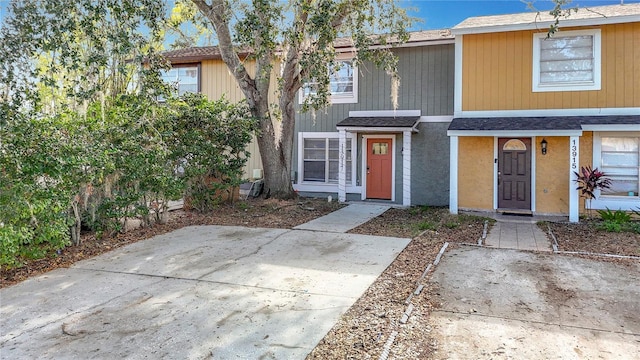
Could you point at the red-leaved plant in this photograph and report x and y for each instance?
(589, 180)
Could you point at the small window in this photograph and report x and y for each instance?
(183, 78)
(343, 84)
(380, 148)
(568, 61)
(321, 160)
(514, 144)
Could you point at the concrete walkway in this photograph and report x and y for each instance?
(345, 219)
(219, 292)
(518, 233)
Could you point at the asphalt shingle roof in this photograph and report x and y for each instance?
(542, 19)
(195, 54)
(382, 121)
(541, 123)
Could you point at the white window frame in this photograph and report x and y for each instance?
(339, 98)
(323, 186)
(596, 84)
(177, 80)
(613, 202)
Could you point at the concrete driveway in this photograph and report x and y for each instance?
(506, 304)
(199, 292)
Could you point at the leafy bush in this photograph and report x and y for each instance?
(589, 180)
(115, 162)
(617, 221)
(618, 216)
(610, 226)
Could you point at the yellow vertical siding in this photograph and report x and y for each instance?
(217, 81)
(497, 72)
(475, 173)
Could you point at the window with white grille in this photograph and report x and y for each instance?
(321, 160)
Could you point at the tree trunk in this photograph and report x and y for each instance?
(276, 157)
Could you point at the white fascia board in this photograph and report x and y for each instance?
(384, 113)
(352, 49)
(457, 78)
(436, 119)
(375, 129)
(514, 133)
(544, 25)
(611, 127)
(550, 112)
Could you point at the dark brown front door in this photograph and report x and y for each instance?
(379, 166)
(514, 173)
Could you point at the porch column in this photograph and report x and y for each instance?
(342, 166)
(406, 168)
(574, 165)
(453, 174)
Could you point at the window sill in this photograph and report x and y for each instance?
(567, 87)
(615, 203)
(323, 187)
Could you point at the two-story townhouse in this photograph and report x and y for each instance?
(530, 110)
(201, 70)
(360, 148)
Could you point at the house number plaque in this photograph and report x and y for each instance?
(574, 154)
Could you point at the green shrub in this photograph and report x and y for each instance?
(610, 226)
(618, 216)
(451, 225)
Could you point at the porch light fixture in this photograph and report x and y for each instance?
(543, 146)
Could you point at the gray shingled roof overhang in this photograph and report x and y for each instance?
(380, 121)
(546, 123)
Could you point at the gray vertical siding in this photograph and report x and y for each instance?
(426, 84)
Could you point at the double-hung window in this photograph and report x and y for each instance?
(184, 78)
(321, 158)
(568, 61)
(343, 84)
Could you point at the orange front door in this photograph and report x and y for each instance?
(379, 166)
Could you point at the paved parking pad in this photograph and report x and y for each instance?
(518, 305)
(199, 292)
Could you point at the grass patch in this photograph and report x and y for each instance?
(427, 225)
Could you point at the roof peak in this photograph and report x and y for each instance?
(590, 15)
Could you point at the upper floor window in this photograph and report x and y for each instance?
(184, 78)
(569, 61)
(343, 84)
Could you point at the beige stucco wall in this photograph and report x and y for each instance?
(586, 157)
(552, 176)
(475, 173)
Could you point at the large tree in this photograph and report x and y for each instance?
(298, 37)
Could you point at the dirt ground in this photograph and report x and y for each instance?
(367, 326)
(524, 305)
